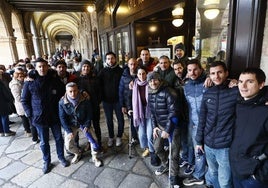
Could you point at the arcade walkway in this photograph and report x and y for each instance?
(21, 165)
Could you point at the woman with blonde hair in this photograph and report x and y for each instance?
(16, 86)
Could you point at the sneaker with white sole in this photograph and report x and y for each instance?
(110, 142)
(189, 169)
(183, 163)
(161, 170)
(193, 181)
(118, 141)
(97, 162)
(76, 158)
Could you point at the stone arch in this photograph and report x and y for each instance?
(8, 52)
(55, 23)
(21, 41)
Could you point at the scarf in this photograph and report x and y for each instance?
(73, 101)
(138, 109)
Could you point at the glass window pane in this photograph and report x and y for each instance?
(211, 30)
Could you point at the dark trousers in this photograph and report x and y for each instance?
(159, 144)
(108, 110)
(28, 127)
(43, 132)
(250, 182)
(96, 122)
(4, 124)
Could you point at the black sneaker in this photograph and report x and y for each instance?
(192, 181)
(46, 168)
(161, 170)
(155, 160)
(182, 163)
(174, 182)
(64, 162)
(189, 169)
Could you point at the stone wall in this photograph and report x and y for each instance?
(264, 56)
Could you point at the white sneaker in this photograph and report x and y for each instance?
(118, 141)
(110, 142)
(97, 162)
(76, 158)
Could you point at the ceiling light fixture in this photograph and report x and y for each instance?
(177, 22)
(90, 8)
(211, 13)
(211, 2)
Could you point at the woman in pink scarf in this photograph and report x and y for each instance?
(141, 115)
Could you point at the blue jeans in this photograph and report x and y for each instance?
(4, 124)
(43, 133)
(199, 160)
(108, 111)
(251, 182)
(219, 167)
(145, 133)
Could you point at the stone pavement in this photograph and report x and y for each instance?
(21, 165)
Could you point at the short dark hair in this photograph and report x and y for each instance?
(260, 75)
(218, 63)
(110, 53)
(179, 61)
(146, 49)
(61, 62)
(40, 59)
(194, 61)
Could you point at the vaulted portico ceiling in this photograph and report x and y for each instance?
(52, 5)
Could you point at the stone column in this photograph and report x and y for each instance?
(8, 52)
(22, 48)
(36, 45)
(44, 45)
(30, 51)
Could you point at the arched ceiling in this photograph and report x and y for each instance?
(54, 23)
(52, 5)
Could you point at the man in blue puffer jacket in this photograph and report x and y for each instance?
(216, 123)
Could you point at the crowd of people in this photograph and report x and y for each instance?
(181, 115)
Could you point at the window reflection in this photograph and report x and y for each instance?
(211, 30)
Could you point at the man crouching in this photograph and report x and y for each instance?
(75, 113)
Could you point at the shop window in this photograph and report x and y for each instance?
(210, 41)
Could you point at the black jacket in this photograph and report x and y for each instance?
(40, 99)
(6, 100)
(164, 106)
(217, 117)
(250, 138)
(124, 90)
(109, 78)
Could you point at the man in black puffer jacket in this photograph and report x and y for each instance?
(164, 110)
(215, 128)
(249, 149)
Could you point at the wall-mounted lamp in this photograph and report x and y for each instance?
(90, 8)
(211, 13)
(177, 22)
(177, 14)
(177, 11)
